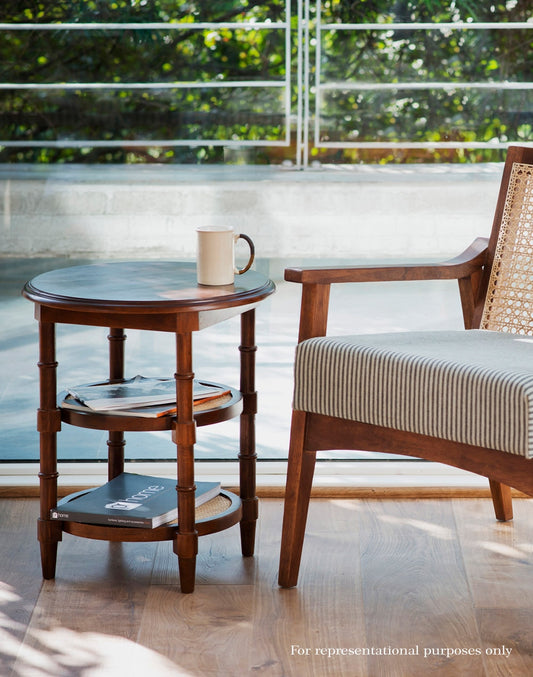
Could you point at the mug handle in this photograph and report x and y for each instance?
(252, 253)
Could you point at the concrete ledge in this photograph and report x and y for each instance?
(155, 173)
(132, 211)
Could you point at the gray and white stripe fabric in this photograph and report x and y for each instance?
(474, 387)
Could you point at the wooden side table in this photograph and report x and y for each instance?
(154, 296)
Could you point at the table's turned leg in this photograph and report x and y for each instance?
(184, 435)
(115, 442)
(48, 424)
(247, 455)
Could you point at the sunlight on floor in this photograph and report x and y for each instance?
(502, 549)
(61, 651)
(91, 654)
(435, 530)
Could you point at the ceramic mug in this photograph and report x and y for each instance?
(215, 259)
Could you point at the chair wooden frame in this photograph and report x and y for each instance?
(315, 432)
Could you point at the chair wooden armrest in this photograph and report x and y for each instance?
(470, 261)
(466, 268)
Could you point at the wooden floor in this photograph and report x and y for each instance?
(399, 588)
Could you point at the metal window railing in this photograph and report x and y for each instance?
(283, 84)
(302, 101)
(319, 88)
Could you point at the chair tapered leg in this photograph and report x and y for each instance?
(502, 500)
(297, 494)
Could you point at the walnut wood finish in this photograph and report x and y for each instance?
(313, 432)
(154, 296)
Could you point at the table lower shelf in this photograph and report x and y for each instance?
(218, 514)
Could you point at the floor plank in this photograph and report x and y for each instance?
(20, 576)
(499, 564)
(416, 595)
(498, 555)
(325, 610)
(507, 641)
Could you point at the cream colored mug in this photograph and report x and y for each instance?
(215, 258)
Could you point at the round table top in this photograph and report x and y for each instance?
(138, 285)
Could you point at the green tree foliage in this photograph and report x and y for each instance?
(151, 55)
(128, 112)
(404, 56)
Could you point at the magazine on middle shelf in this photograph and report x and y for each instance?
(140, 396)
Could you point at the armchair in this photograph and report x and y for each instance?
(463, 398)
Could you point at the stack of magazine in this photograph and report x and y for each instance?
(130, 500)
(140, 396)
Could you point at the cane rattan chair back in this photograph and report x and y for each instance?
(509, 298)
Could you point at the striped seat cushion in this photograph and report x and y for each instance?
(474, 387)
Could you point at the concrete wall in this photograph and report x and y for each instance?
(152, 211)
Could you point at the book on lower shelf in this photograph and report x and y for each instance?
(130, 500)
